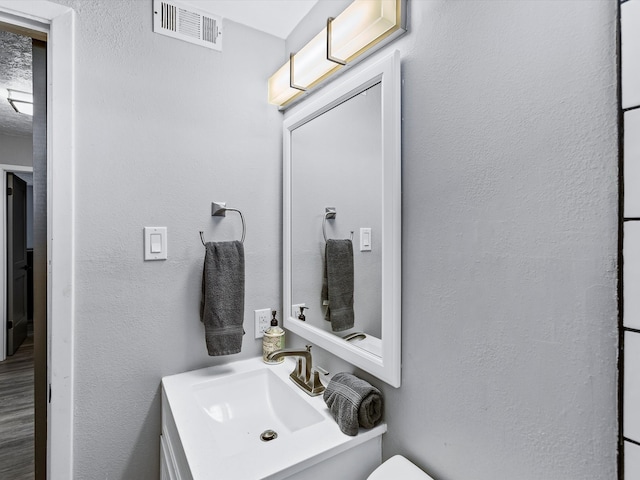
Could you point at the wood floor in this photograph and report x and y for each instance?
(17, 414)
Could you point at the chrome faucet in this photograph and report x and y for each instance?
(307, 378)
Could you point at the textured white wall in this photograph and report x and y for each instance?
(164, 127)
(510, 194)
(509, 240)
(16, 150)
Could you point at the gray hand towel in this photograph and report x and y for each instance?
(353, 403)
(337, 284)
(222, 303)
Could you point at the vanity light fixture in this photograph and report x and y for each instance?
(350, 36)
(22, 102)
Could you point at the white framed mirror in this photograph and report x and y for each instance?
(342, 218)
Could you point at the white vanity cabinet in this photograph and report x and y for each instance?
(173, 462)
(212, 441)
(167, 469)
(354, 464)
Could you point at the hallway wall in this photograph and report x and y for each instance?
(16, 150)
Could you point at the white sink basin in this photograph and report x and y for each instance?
(213, 419)
(241, 407)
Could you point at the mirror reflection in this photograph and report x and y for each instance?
(336, 220)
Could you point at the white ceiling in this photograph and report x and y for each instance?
(15, 73)
(277, 17)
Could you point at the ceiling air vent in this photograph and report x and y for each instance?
(184, 22)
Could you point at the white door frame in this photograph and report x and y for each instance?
(58, 22)
(4, 169)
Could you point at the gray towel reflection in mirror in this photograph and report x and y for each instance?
(337, 284)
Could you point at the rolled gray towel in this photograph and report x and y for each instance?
(353, 402)
(222, 304)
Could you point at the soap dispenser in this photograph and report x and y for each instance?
(302, 316)
(273, 340)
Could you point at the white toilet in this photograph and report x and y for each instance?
(398, 467)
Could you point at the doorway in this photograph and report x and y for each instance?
(18, 260)
(56, 22)
(23, 360)
(17, 369)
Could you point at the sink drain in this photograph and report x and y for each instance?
(268, 435)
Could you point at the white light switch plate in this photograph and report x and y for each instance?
(365, 239)
(155, 243)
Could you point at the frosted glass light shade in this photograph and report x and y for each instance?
(310, 67)
(279, 90)
(22, 107)
(311, 64)
(362, 25)
(22, 102)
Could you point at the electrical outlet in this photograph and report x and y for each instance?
(263, 321)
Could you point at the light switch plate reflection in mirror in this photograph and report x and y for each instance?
(341, 151)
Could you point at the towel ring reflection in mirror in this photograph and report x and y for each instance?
(219, 209)
(330, 213)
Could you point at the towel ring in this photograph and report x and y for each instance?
(330, 212)
(219, 209)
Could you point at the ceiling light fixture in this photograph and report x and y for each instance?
(351, 35)
(22, 102)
